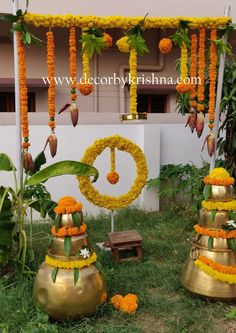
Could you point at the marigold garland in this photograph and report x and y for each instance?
(65, 21)
(219, 205)
(124, 200)
(113, 177)
(72, 48)
(133, 81)
(85, 87)
(212, 77)
(229, 278)
(201, 69)
(51, 74)
(215, 233)
(184, 86)
(217, 267)
(193, 69)
(165, 45)
(69, 231)
(128, 303)
(71, 263)
(68, 205)
(23, 92)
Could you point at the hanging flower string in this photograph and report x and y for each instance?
(27, 158)
(201, 69)
(52, 139)
(184, 87)
(113, 176)
(133, 81)
(85, 87)
(212, 76)
(193, 69)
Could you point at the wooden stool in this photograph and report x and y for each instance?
(128, 240)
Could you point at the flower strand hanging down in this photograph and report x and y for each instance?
(201, 84)
(74, 113)
(52, 139)
(113, 176)
(193, 70)
(27, 158)
(133, 81)
(210, 139)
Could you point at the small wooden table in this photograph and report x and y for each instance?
(124, 241)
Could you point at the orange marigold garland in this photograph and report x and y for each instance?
(85, 87)
(215, 233)
(67, 205)
(52, 139)
(201, 69)
(27, 158)
(212, 77)
(193, 69)
(183, 87)
(69, 231)
(217, 267)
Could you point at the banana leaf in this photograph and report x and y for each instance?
(63, 168)
(6, 163)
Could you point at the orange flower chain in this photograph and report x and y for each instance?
(69, 231)
(193, 69)
(201, 69)
(217, 267)
(67, 205)
(51, 74)
(72, 46)
(113, 176)
(212, 77)
(215, 233)
(23, 93)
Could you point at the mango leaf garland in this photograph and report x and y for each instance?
(93, 41)
(136, 38)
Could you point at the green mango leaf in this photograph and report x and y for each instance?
(231, 314)
(9, 18)
(67, 245)
(50, 240)
(63, 168)
(213, 214)
(199, 236)
(28, 38)
(210, 243)
(76, 276)
(54, 274)
(207, 192)
(76, 219)
(57, 222)
(6, 163)
(231, 215)
(231, 244)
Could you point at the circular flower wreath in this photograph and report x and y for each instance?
(124, 200)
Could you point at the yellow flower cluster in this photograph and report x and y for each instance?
(219, 205)
(65, 21)
(124, 200)
(229, 278)
(71, 264)
(133, 81)
(128, 303)
(219, 176)
(183, 62)
(219, 173)
(123, 44)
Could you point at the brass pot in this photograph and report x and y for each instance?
(218, 243)
(198, 282)
(62, 300)
(67, 221)
(77, 242)
(221, 217)
(222, 193)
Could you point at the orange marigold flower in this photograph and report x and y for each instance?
(107, 39)
(67, 205)
(69, 231)
(113, 177)
(183, 88)
(128, 304)
(165, 45)
(85, 88)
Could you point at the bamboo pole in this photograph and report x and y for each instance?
(219, 95)
(17, 100)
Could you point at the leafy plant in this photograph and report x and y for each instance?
(18, 24)
(93, 41)
(180, 179)
(181, 34)
(227, 144)
(22, 198)
(136, 38)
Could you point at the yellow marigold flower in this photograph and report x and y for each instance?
(123, 44)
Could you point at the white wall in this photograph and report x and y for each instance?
(161, 144)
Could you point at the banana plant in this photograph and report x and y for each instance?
(20, 202)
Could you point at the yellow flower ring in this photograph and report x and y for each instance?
(124, 200)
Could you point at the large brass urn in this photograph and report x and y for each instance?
(68, 284)
(210, 269)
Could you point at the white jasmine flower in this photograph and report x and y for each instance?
(85, 253)
(231, 223)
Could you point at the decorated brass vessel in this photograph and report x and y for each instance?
(66, 298)
(193, 278)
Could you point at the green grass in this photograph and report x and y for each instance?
(164, 305)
